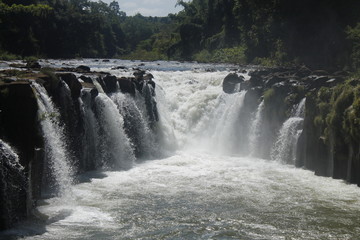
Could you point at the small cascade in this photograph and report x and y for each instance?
(255, 129)
(98, 85)
(150, 102)
(300, 109)
(284, 149)
(224, 131)
(91, 133)
(136, 124)
(12, 186)
(164, 130)
(56, 152)
(115, 148)
(70, 112)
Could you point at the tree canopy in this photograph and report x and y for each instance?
(323, 33)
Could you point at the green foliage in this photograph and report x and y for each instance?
(203, 56)
(269, 95)
(38, 10)
(338, 111)
(9, 56)
(61, 29)
(230, 55)
(142, 32)
(260, 27)
(224, 55)
(236, 31)
(264, 61)
(145, 55)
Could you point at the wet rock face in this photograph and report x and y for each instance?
(13, 186)
(230, 82)
(18, 126)
(110, 83)
(18, 119)
(127, 85)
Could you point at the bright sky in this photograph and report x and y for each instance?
(159, 8)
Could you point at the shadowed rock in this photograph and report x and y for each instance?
(73, 83)
(230, 82)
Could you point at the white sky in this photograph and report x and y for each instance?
(159, 8)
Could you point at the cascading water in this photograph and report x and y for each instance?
(284, 149)
(223, 130)
(116, 151)
(187, 102)
(136, 124)
(91, 133)
(194, 194)
(56, 151)
(255, 129)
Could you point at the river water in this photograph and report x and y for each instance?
(204, 188)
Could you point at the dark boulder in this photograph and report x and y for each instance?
(119, 67)
(33, 65)
(256, 81)
(139, 74)
(94, 92)
(110, 83)
(73, 83)
(230, 82)
(127, 85)
(82, 69)
(148, 76)
(86, 79)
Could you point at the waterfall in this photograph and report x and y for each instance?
(115, 148)
(284, 149)
(136, 124)
(98, 85)
(56, 151)
(12, 185)
(223, 131)
(91, 132)
(255, 129)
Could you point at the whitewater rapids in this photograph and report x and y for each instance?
(199, 196)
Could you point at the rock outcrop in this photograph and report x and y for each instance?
(330, 140)
(20, 127)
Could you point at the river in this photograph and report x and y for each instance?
(204, 187)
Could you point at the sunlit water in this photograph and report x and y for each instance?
(203, 191)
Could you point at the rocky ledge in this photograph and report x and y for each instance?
(19, 125)
(329, 144)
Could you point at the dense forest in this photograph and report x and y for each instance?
(323, 33)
